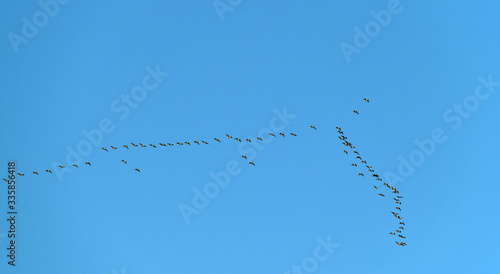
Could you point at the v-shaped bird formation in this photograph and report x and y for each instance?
(349, 148)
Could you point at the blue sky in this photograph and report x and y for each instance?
(174, 71)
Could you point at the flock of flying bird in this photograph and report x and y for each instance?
(198, 143)
(342, 138)
(165, 145)
(50, 171)
(394, 191)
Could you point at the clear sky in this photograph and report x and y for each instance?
(81, 75)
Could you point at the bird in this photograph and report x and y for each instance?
(400, 197)
(402, 227)
(394, 198)
(204, 142)
(363, 161)
(248, 140)
(260, 138)
(398, 208)
(141, 145)
(337, 128)
(244, 156)
(229, 136)
(355, 111)
(345, 151)
(134, 144)
(180, 144)
(217, 140)
(293, 134)
(113, 147)
(313, 127)
(371, 170)
(395, 191)
(366, 100)
(341, 132)
(402, 223)
(361, 174)
(398, 203)
(272, 134)
(125, 146)
(5, 180)
(88, 163)
(75, 165)
(356, 152)
(20, 174)
(48, 170)
(392, 233)
(358, 157)
(137, 170)
(379, 179)
(394, 213)
(398, 231)
(34, 172)
(282, 134)
(197, 142)
(369, 167)
(124, 161)
(398, 243)
(403, 243)
(105, 149)
(376, 187)
(163, 145)
(61, 166)
(170, 144)
(375, 175)
(238, 139)
(187, 143)
(252, 163)
(399, 217)
(381, 194)
(354, 165)
(401, 236)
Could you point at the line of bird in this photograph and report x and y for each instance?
(166, 144)
(397, 199)
(50, 171)
(198, 143)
